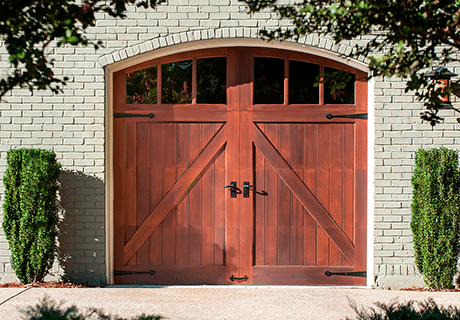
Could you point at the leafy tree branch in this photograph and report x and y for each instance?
(28, 27)
(405, 37)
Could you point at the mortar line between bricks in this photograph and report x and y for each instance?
(14, 296)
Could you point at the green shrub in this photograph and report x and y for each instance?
(411, 310)
(435, 215)
(47, 309)
(30, 211)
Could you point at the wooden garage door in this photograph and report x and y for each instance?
(231, 166)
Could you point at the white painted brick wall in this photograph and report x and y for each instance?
(399, 133)
(72, 124)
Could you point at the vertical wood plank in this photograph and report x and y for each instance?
(207, 203)
(336, 199)
(323, 247)
(220, 208)
(182, 208)
(348, 180)
(169, 178)
(310, 149)
(336, 211)
(131, 195)
(157, 167)
(297, 242)
(310, 225)
(156, 245)
(284, 199)
(284, 246)
(271, 217)
(207, 245)
(259, 168)
(348, 203)
(246, 218)
(271, 132)
(271, 213)
(323, 188)
(297, 139)
(349, 148)
(232, 244)
(143, 186)
(195, 196)
(219, 246)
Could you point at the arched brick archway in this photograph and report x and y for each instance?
(208, 38)
(305, 216)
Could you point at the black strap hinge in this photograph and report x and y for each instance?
(132, 115)
(362, 274)
(348, 116)
(125, 273)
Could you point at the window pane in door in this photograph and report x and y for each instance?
(302, 77)
(339, 86)
(176, 82)
(268, 81)
(141, 86)
(211, 80)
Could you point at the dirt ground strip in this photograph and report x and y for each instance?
(41, 285)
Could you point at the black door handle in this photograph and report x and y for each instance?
(232, 187)
(246, 187)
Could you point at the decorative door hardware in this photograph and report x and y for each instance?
(233, 189)
(132, 115)
(233, 278)
(362, 274)
(246, 187)
(348, 116)
(124, 273)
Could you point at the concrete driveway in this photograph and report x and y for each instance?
(217, 302)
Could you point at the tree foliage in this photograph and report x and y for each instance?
(29, 27)
(30, 211)
(436, 215)
(47, 309)
(403, 38)
(410, 310)
(141, 86)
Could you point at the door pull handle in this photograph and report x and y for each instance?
(245, 278)
(233, 188)
(246, 187)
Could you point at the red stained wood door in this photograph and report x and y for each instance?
(303, 214)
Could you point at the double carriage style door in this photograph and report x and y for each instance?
(231, 166)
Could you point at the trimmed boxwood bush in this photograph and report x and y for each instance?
(435, 215)
(30, 211)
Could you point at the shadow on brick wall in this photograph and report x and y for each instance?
(82, 231)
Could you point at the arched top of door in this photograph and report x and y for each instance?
(224, 37)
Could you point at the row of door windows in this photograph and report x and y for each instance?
(177, 83)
